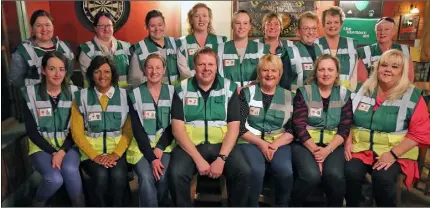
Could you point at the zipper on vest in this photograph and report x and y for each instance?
(371, 132)
(104, 133)
(321, 137)
(55, 130)
(206, 126)
(240, 73)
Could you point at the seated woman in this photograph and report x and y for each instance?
(322, 118)
(102, 130)
(264, 141)
(150, 105)
(390, 121)
(50, 145)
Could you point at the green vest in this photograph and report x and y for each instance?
(230, 66)
(272, 121)
(33, 56)
(146, 47)
(282, 47)
(153, 120)
(188, 46)
(301, 63)
(386, 127)
(371, 53)
(322, 125)
(103, 129)
(52, 124)
(346, 53)
(206, 122)
(121, 58)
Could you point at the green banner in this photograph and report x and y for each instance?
(362, 30)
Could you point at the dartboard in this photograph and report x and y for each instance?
(87, 10)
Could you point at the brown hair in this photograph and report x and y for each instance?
(307, 15)
(193, 11)
(205, 50)
(268, 17)
(333, 11)
(154, 56)
(313, 76)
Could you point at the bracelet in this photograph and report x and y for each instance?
(394, 155)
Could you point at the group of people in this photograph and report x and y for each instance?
(241, 108)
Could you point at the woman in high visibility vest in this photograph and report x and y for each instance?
(47, 122)
(104, 43)
(101, 129)
(25, 66)
(390, 121)
(156, 42)
(200, 34)
(322, 118)
(149, 152)
(263, 138)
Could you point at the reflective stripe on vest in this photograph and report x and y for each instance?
(373, 52)
(298, 63)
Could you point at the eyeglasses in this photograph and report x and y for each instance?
(104, 26)
(311, 29)
(388, 19)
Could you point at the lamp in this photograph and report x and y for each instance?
(414, 9)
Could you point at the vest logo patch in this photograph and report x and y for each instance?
(229, 62)
(364, 107)
(192, 101)
(97, 116)
(148, 114)
(315, 112)
(307, 66)
(192, 51)
(254, 111)
(42, 112)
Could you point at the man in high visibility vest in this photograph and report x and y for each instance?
(205, 122)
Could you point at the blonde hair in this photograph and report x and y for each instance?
(390, 56)
(313, 76)
(155, 56)
(237, 13)
(269, 59)
(268, 17)
(193, 11)
(333, 11)
(307, 15)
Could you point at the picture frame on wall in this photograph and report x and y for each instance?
(361, 9)
(408, 26)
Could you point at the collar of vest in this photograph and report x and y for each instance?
(32, 41)
(216, 84)
(166, 41)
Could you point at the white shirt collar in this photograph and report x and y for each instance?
(109, 93)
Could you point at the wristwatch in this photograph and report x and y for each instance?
(223, 157)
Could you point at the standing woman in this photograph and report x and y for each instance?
(322, 118)
(150, 105)
(104, 43)
(239, 57)
(263, 138)
(343, 48)
(158, 43)
(25, 67)
(101, 129)
(47, 123)
(201, 33)
(390, 121)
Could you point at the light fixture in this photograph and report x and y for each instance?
(414, 9)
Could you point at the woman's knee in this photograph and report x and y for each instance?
(54, 179)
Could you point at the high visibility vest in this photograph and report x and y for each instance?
(121, 58)
(206, 122)
(322, 125)
(154, 120)
(103, 129)
(52, 124)
(282, 47)
(188, 46)
(383, 129)
(229, 61)
(346, 53)
(371, 53)
(301, 63)
(272, 121)
(33, 57)
(146, 47)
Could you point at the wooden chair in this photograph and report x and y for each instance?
(202, 189)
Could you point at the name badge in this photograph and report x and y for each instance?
(315, 112)
(191, 51)
(43, 112)
(364, 107)
(148, 114)
(192, 101)
(254, 111)
(95, 116)
(307, 66)
(229, 62)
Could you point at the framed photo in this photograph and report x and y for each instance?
(408, 26)
(361, 9)
(289, 10)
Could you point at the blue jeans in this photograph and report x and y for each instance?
(280, 167)
(53, 178)
(152, 193)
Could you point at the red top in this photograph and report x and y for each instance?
(419, 131)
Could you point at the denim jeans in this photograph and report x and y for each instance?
(280, 168)
(309, 176)
(152, 193)
(182, 169)
(53, 178)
